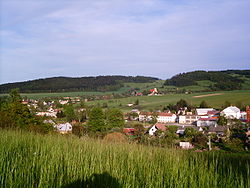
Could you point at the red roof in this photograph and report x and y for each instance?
(161, 126)
(146, 113)
(165, 114)
(208, 119)
(213, 112)
(129, 131)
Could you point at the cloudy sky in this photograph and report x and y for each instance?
(45, 38)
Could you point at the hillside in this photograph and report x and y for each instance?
(212, 80)
(64, 84)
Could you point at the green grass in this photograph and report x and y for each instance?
(28, 160)
(157, 102)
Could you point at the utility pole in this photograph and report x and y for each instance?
(209, 143)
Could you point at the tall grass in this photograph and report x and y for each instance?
(28, 160)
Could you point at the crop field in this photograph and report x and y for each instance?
(29, 160)
(214, 99)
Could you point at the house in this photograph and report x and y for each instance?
(186, 145)
(153, 92)
(206, 122)
(63, 102)
(248, 113)
(166, 117)
(49, 121)
(231, 112)
(64, 128)
(213, 113)
(157, 126)
(243, 116)
(188, 119)
(145, 116)
(203, 111)
(48, 114)
(218, 130)
(135, 111)
(129, 131)
(180, 131)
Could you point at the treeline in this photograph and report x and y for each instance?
(245, 73)
(222, 80)
(63, 84)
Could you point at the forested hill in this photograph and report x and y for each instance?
(61, 84)
(220, 80)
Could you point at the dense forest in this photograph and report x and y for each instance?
(222, 80)
(62, 84)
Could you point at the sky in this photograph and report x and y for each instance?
(159, 38)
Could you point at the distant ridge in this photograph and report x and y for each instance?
(219, 80)
(63, 84)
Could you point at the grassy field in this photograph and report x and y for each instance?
(157, 102)
(29, 160)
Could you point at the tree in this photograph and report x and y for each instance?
(170, 136)
(114, 118)
(181, 104)
(81, 115)
(154, 117)
(136, 102)
(133, 115)
(226, 104)
(203, 104)
(190, 132)
(69, 112)
(96, 120)
(222, 120)
(15, 114)
(139, 131)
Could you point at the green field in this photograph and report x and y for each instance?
(157, 102)
(29, 160)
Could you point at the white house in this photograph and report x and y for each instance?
(145, 116)
(63, 102)
(166, 117)
(182, 119)
(48, 114)
(186, 145)
(157, 126)
(64, 127)
(188, 119)
(206, 122)
(231, 112)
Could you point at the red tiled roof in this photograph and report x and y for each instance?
(128, 130)
(161, 126)
(208, 119)
(146, 113)
(165, 114)
(213, 112)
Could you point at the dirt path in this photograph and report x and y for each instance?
(208, 95)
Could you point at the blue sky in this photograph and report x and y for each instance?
(44, 38)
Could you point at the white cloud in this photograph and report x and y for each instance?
(124, 37)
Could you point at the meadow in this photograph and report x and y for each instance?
(158, 102)
(29, 160)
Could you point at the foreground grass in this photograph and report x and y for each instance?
(28, 160)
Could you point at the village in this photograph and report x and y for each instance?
(205, 121)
